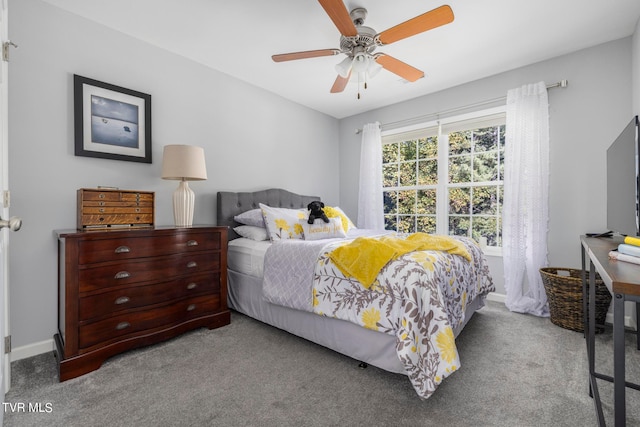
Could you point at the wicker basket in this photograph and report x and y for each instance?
(564, 294)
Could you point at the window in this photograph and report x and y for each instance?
(446, 177)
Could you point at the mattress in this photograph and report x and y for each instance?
(247, 256)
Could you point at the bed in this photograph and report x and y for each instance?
(251, 284)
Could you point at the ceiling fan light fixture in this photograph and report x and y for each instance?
(344, 67)
(360, 63)
(374, 68)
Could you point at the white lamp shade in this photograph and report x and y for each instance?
(374, 68)
(344, 67)
(360, 63)
(183, 162)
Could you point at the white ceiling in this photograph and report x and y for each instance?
(238, 38)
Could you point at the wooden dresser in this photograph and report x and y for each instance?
(123, 289)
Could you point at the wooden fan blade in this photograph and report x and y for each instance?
(339, 14)
(306, 54)
(340, 83)
(421, 23)
(398, 67)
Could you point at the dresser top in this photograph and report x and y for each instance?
(128, 231)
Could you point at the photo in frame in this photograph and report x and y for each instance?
(111, 122)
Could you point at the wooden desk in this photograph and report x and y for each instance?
(623, 281)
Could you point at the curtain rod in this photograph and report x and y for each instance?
(561, 83)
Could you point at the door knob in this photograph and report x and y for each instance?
(14, 223)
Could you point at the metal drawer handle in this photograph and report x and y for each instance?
(192, 285)
(192, 243)
(122, 250)
(191, 307)
(122, 325)
(192, 264)
(122, 300)
(122, 275)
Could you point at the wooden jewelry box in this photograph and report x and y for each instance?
(102, 208)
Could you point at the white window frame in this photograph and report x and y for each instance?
(496, 113)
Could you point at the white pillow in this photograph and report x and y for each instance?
(283, 223)
(323, 230)
(250, 217)
(251, 232)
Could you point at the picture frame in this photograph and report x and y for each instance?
(111, 122)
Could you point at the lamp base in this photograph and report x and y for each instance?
(183, 201)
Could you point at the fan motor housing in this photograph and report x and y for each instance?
(365, 40)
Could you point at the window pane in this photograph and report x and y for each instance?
(428, 147)
(390, 202)
(426, 202)
(390, 222)
(427, 172)
(427, 224)
(485, 139)
(459, 225)
(407, 224)
(460, 169)
(406, 202)
(459, 200)
(460, 142)
(486, 227)
(407, 174)
(485, 167)
(408, 150)
(390, 153)
(390, 175)
(485, 200)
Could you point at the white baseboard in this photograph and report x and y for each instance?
(31, 350)
(629, 320)
(493, 296)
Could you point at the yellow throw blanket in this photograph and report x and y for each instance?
(366, 256)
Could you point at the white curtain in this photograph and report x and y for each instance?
(526, 193)
(370, 203)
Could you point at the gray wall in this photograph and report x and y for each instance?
(585, 117)
(636, 69)
(253, 139)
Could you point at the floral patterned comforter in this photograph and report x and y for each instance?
(419, 298)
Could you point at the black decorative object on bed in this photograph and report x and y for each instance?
(405, 320)
(316, 211)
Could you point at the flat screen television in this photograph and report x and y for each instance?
(623, 182)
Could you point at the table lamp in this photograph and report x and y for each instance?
(183, 163)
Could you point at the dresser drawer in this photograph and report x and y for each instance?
(111, 219)
(112, 208)
(131, 271)
(101, 250)
(145, 321)
(112, 302)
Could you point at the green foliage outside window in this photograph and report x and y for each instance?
(475, 167)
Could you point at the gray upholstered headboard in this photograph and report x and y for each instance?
(230, 204)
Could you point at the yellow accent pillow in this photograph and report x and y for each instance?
(336, 212)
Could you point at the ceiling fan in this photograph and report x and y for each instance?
(359, 42)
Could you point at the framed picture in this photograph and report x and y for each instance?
(111, 122)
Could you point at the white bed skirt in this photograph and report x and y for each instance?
(375, 348)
